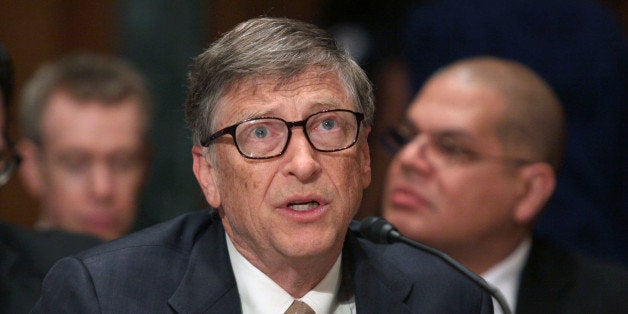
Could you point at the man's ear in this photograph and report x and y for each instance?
(30, 167)
(539, 183)
(366, 159)
(204, 173)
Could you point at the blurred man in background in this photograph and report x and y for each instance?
(85, 148)
(484, 139)
(25, 256)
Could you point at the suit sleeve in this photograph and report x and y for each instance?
(68, 288)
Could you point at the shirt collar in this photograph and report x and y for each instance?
(506, 275)
(260, 294)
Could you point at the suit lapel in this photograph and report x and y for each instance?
(377, 288)
(208, 285)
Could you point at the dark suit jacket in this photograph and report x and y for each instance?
(556, 281)
(183, 266)
(25, 257)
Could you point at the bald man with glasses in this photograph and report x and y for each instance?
(476, 163)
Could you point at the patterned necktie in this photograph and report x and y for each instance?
(299, 307)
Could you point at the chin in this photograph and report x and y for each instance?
(311, 246)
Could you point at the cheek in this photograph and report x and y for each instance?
(241, 184)
(126, 199)
(348, 181)
(65, 208)
(471, 196)
(393, 175)
(130, 184)
(461, 193)
(64, 185)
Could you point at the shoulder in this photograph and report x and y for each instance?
(412, 263)
(26, 256)
(547, 259)
(403, 274)
(177, 236)
(137, 273)
(554, 277)
(43, 248)
(418, 262)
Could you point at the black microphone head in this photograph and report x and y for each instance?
(378, 230)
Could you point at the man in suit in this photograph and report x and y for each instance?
(279, 118)
(477, 163)
(25, 256)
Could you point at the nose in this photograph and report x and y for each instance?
(101, 182)
(301, 158)
(413, 156)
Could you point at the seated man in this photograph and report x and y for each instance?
(85, 123)
(279, 118)
(483, 141)
(25, 256)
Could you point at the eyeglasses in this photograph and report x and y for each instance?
(267, 137)
(442, 149)
(9, 161)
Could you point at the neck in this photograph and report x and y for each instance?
(298, 281)
(295, 275)
(480, 258)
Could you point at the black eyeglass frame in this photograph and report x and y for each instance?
(400, 140)
(231, 130)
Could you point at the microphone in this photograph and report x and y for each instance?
(378, 230)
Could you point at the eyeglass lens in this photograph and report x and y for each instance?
(326, 131)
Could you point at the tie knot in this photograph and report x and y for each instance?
(299, 307)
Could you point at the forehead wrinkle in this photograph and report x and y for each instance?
(266, 95)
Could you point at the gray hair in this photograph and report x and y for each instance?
(85, 77)
(276, 47)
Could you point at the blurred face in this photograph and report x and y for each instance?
(452, 186)
(91, 165)
(299, 204)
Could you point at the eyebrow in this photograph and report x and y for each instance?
(270, 113)
(443, 133)
(453, 134)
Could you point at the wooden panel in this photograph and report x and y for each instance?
(224, 14)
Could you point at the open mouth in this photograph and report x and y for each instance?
(303, 206)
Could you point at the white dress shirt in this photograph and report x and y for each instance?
(506, 275)
(260, 294)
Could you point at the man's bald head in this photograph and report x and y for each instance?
(533, 124)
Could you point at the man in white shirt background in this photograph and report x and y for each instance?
(478, 158)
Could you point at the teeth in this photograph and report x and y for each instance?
(303, 206)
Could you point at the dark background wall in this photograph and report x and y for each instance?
(160, 37)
